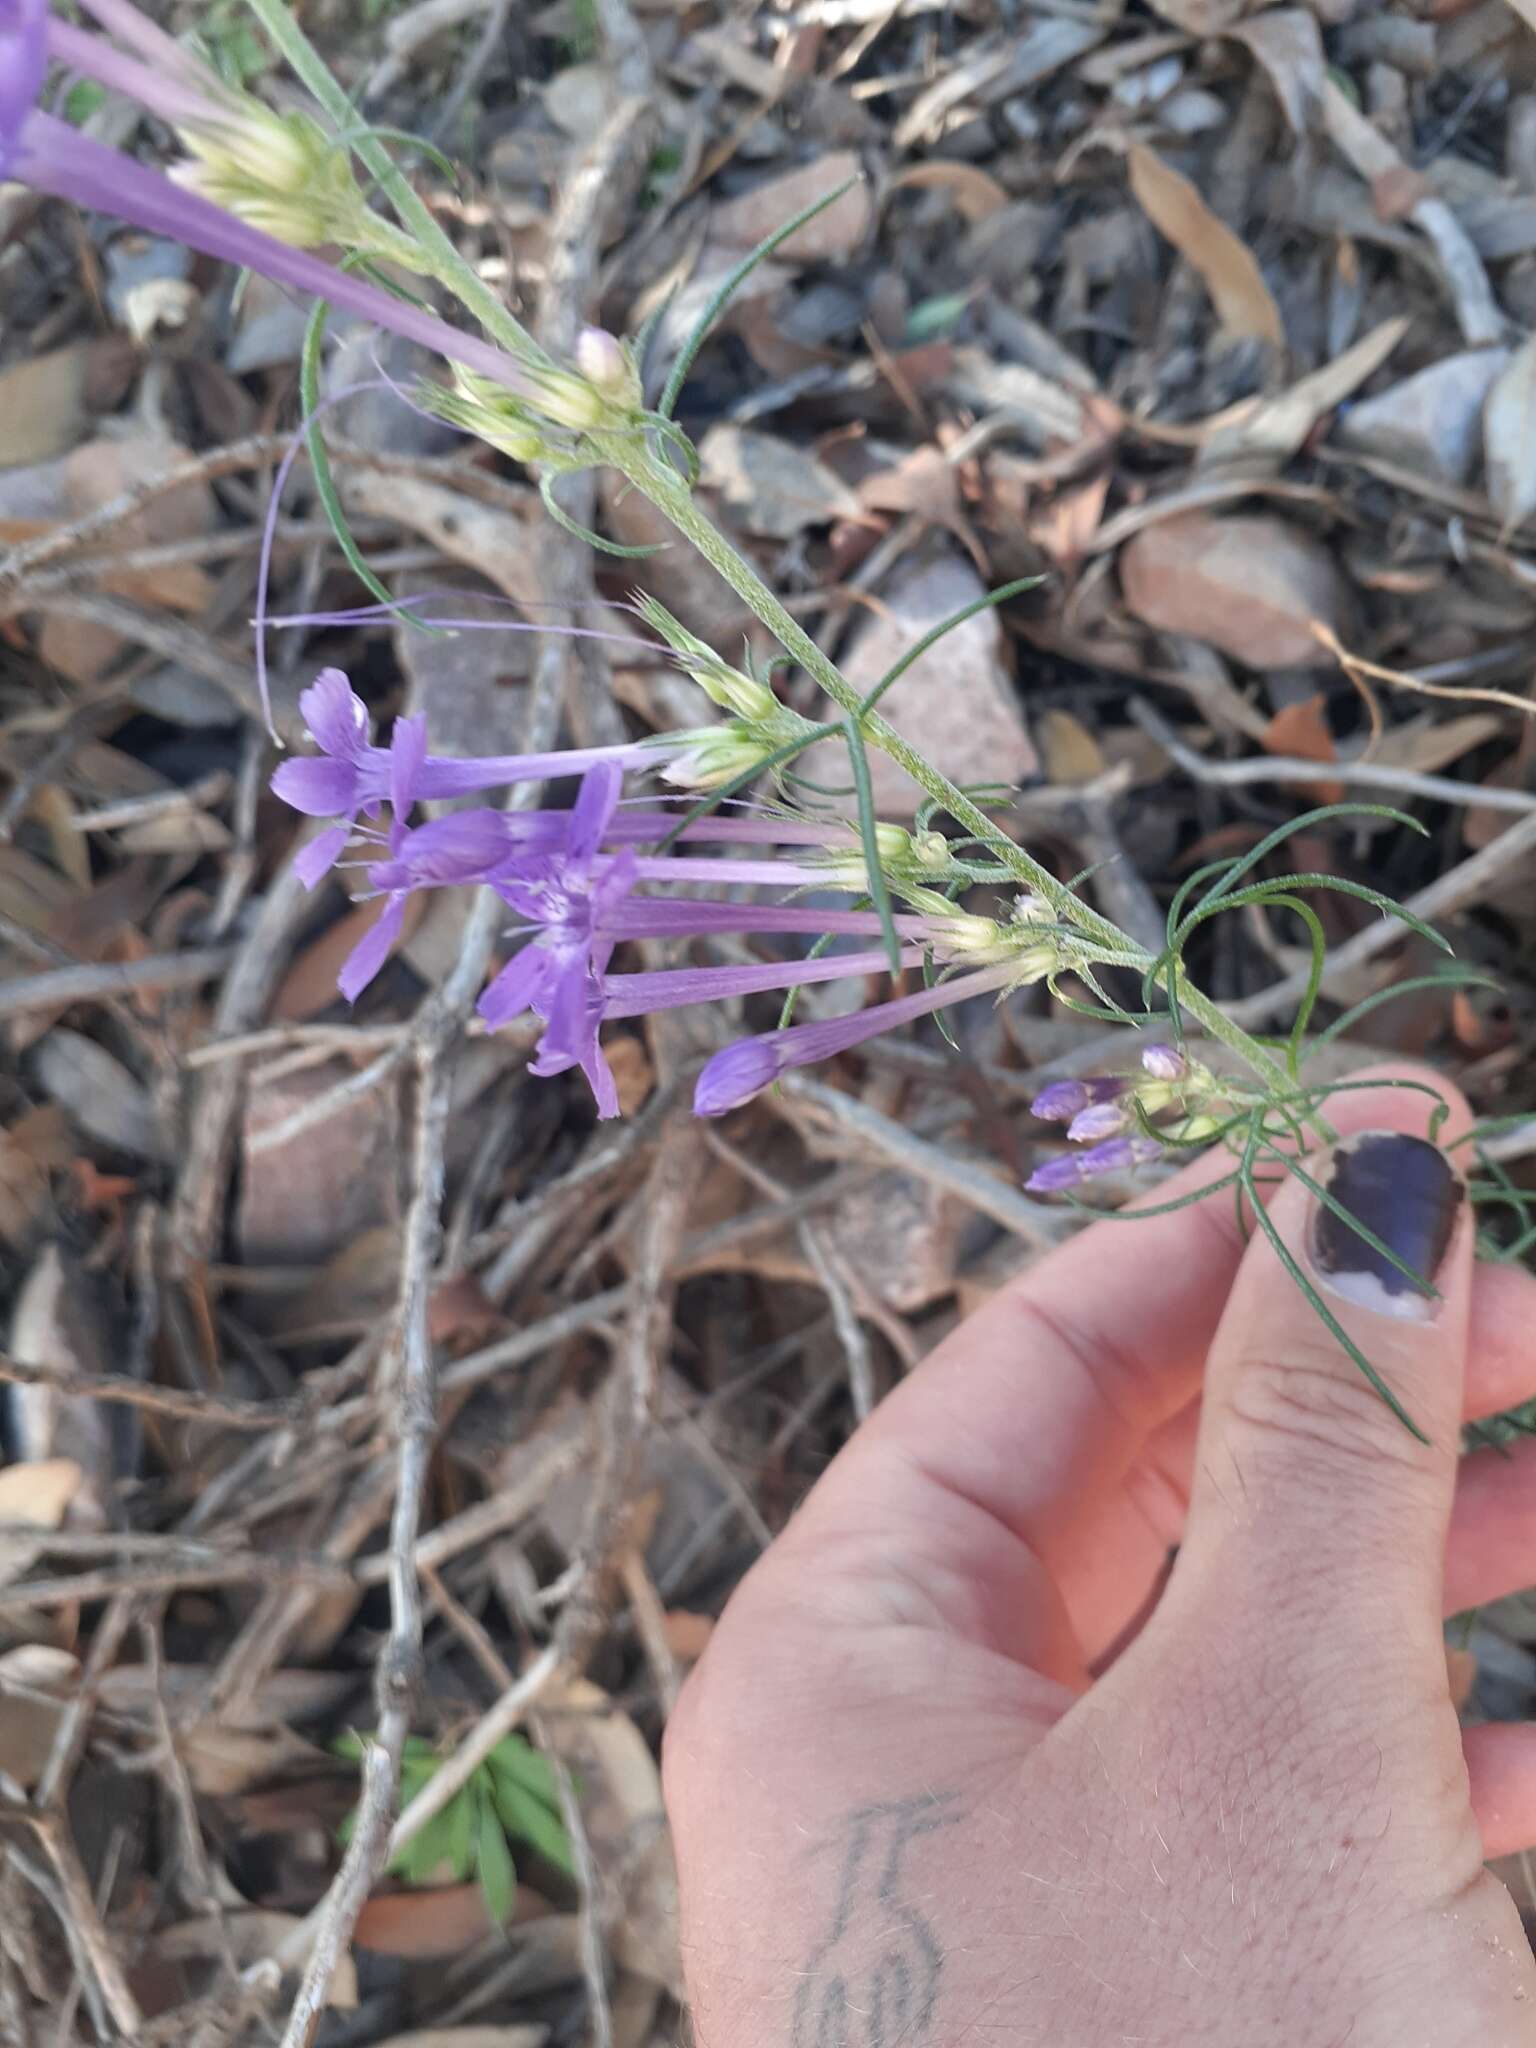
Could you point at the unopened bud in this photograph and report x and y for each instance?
(601, 359)
(1164, 1062)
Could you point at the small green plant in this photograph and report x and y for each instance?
(514, 1796)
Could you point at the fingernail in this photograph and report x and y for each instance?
(1406, 1193)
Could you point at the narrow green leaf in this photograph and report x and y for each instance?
(858, 761)
(493, 1863)
(563, 518)
(519, 1763)
(667, 404)
(1453, 977)
(460, 1850)
(320, 468)
(1250, 860)
(531, 1821)
(929, 639)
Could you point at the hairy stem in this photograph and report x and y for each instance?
(670, 495)
(435, 253)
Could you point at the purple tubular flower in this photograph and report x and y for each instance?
(560, 974)
(1117, 1155)
(56, 159)
(23, 67)
(638, 995)
(744, 1069)
(350, 775)
(169, 86)
(1164, 1062)
(1061, 1101)
(1098, 1120)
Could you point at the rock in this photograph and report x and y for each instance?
(956, 704)
(1430, 422)
(1249, 586)
(304, 1200)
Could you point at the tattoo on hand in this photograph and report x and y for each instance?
(873, 1979)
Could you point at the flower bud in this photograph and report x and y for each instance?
(603, 361)
(712, 755)
(1164, 1062)
(1098, 1121)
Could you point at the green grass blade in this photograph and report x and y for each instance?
(858, 761)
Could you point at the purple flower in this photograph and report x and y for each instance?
(1098, 1120)
(1164, 1062)
(408, 748)
(56, 159)
(560, 974)
(1118, 1155)
(744, 1069)
(1061, 1101)
(350, 775)
(23, 67)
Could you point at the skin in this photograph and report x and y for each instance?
(965, 1762)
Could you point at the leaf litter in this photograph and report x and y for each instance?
(1216, 320)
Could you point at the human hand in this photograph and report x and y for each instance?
(959, 1764)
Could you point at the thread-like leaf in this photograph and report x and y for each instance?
(563, 519)
(936, 633)
(666, 405)
(858, 761)
(1322, 1311)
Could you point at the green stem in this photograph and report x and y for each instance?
(436, 252)
(672, 498)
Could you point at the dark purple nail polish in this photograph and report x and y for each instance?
(1406, 1193)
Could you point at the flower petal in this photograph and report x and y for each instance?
(593, 809)
(312, 863)
(335, 715)
(735, 1075)
(317, 786)
(519, 987)
(407, 752)
(23, 67)
(371, 950)
(463, 847)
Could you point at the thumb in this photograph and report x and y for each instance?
(1314, 1505)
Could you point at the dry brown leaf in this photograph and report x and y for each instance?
(470, 2037)
(1481, 824)
(1243, 301)
(772, 486)
(1202, 17)
(254, 1936)
(975, 192)
(1302, 730)
(1286, 42)
(309, 986)
(1274, 428)
(46, 402)
(438, 1920)
(38, 1495)
(1431, 421)
(1249, 585)
(104, 1099)
(1068, 750)
(633, 1073)
(1509, 436)
(833, 235)
(35, 1146)
(1427, 744)
(625, 1822)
